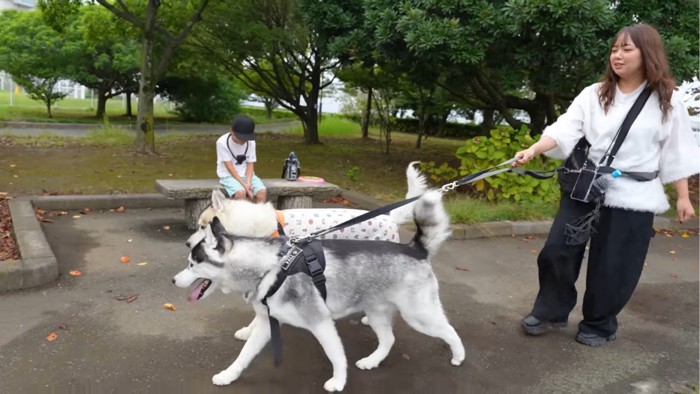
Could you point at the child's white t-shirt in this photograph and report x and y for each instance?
(226, 149)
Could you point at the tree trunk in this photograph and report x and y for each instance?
(487, 124)
(311, 126)
(145, 133)
(421, 130)
(367, 115)
(101, 103)
(129, 111)
(268, 108)
(311, 118)
(48, 108)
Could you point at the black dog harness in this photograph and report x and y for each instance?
(302, 257)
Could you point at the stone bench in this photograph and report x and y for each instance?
(282, 193)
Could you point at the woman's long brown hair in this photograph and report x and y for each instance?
(656, 69)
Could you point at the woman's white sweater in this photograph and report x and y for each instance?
(651, 145)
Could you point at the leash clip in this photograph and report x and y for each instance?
(449, 186)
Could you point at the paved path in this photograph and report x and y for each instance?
(77, 129)
(487, 285)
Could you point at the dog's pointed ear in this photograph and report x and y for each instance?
(216, 227)
(219, 236)
(217, 200)
(209, 237)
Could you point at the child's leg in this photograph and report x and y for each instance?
(259, 190)
(233, 188)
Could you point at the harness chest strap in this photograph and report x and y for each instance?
(315, 263)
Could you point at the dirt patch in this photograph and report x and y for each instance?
(8, 246)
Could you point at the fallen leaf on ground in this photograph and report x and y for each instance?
(45, 220)
(142, 263)
(63, 326)
(672, 252)
(75, 273)
(127, 297)
(674, 275)
(533, 251)
(685, 235)
(169, 307)
(51, 337)
(166, 228)
(120, 209)
(125, 259)
(406, 356)
(129, 240)
(462, 269)
(40, 211)
(76, 216)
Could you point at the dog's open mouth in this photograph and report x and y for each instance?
(199, 288)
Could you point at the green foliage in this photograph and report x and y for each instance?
(352, 173)
(464, 209)
(480, 153)
(439, 175)
(261, 113)
(109, 135)
(34, 54)
(203, 100)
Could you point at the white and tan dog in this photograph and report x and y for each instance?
(243, 218)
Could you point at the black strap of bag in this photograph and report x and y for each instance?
(626, 124)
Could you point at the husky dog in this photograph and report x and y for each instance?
(243, 218)
(374, 277)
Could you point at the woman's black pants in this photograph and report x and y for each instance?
(616, 257)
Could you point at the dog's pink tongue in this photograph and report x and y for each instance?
(194, 295)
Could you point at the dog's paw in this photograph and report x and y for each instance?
(243, 334)
(456, 362)
(365, 320)
(334, 384)
(223, 378)
(367, 363)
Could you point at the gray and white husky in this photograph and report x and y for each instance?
(374, 277)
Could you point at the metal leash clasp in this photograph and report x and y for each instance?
(448, 187)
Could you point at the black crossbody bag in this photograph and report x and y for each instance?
(579, 175)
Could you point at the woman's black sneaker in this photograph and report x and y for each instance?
(533, 326)
(594, 340)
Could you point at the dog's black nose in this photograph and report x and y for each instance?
(173, 280)
(187, 244)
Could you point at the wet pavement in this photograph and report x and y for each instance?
(107, 344)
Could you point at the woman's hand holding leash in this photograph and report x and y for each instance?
(524, 156)
(544, 144)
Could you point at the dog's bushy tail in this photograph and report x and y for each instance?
(417, 185)
(432, 221)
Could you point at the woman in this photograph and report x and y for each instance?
(660, 140)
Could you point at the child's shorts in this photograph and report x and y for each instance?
(232, 185)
